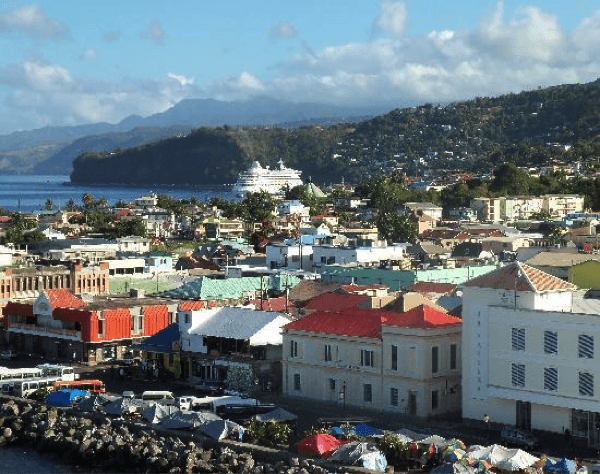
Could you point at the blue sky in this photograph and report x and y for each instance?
(65, 62)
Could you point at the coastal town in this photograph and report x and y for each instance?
(479, 325)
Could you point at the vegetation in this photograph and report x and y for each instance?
(527, 129)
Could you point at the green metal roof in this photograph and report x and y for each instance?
(204, 288)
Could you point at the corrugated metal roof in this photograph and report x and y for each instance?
(520, 277)
(204, 288)
(368, 322)
(336, 302)
(555, 259)
(162, 341)
(238, 323)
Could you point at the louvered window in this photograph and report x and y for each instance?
(367, 393)
(394, 357)
(394, 397)
(297, 382)
(551, 379)
(328, 357)
(586, 346)
(518, 339)
(518, 375)
(293, 349)
(586, 384)
(550, 342)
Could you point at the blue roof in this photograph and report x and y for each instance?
(162, 341)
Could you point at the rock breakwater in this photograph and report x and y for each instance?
(98, 443)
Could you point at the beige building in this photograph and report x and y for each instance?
(375, 359)
(559, 205)
(529, 353)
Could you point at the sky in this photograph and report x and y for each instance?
(64, 62)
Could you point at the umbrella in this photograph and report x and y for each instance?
(366, 431)
(493, 454)
(278, 414)
(435, 440)
(451, 468)
(320, 444)
(219, 429)
(482, 465)
(453, 454)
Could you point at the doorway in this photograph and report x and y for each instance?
(412, 403)
(524, 415)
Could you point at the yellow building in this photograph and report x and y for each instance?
(586, 274)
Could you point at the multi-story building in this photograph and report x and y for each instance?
(529, 352)
(59, 324)
(366, 252)
(559, 205)
(489, 209)
(522, 207)
(370, 358)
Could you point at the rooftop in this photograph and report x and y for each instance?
(519, 276)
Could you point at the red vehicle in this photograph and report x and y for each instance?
(94, 386)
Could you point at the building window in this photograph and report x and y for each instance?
(332, 384)
(297, 382)
(518, 375)
(434, 399)
(394, 357)
(434, 359)
(551, 379)
(293, 349)
(187, 317)
(367, 358)
(586, 384)
(328, 357)
(367, 393)
(586, 346)
(453, 356)
(518, 339)
(323, 259)
(394, 397)
(550, 342)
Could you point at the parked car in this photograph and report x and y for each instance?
(8, 354)
(517, 437)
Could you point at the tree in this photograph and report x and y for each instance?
(71, 206)
(49, 204)
(396, 228)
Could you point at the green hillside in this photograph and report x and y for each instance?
(529, 128)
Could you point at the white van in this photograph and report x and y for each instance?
(164, 397)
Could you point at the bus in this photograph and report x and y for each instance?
(93, 386)
(19, 374)
(26, 388)
(64, 372)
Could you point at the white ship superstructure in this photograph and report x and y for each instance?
(258, 179)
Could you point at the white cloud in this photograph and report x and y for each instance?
(155, 33)
(532, 35)
(42, 94)
(89, 55)
(32, 20)
(392, 18)
(283, 30)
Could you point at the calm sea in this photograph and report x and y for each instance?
(29, 193)
(15, 460)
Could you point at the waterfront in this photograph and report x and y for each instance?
(29, 193)
(17, 460)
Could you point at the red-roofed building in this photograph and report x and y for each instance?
(376, 359)
(277, 305)
(60, 325)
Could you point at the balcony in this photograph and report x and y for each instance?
(22, 328)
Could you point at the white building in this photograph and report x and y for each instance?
(365, 255)
(529, 354)
(289, 208)
(370, 358)
(293, 257)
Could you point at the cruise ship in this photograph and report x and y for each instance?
(258, 178)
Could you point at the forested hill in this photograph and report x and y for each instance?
(213, 156)
(529, 128)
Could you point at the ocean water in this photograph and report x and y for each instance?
(29, 193)
(16, 460)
